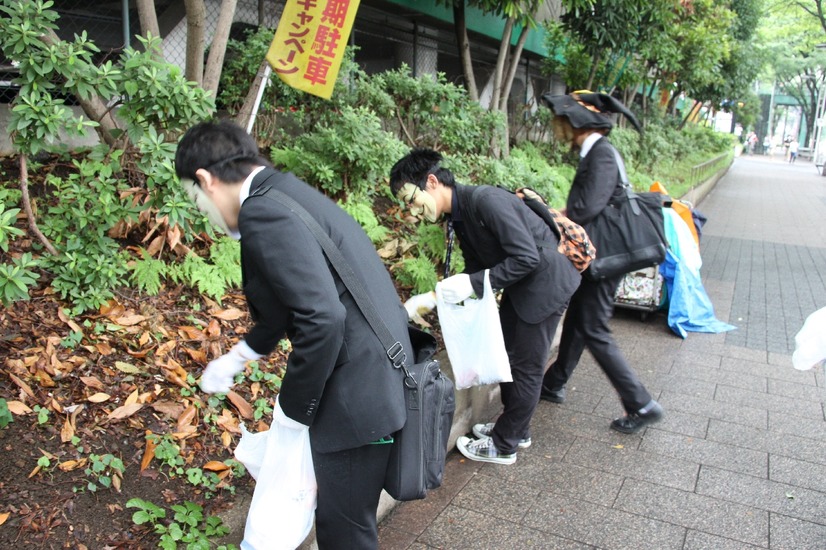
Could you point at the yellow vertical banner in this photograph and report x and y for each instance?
(309, 43)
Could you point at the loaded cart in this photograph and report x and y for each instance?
(643, 290)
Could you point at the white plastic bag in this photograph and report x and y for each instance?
(283, 505)
(810, 342)
(473, 339)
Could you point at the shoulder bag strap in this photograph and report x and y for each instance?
(629, 192)
(394, 348)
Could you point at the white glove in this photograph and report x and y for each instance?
(420, 304)
(279, 416)
(220, 373)
(456, 289)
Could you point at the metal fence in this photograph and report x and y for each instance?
(703, 171)
(112, 26)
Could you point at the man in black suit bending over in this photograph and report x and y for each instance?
(339, 383)
(497, 231)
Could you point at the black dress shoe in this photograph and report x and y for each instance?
(554, 396)
(633, 423)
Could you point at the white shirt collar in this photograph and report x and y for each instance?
(245, 187)
(588, 143)
(243, 194)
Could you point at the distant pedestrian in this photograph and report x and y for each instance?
(794, 146)
(584, 119)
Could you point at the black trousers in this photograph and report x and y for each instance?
(349, 487)
(528, 346)
(586, 326)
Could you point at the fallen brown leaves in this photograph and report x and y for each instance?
(100, 383)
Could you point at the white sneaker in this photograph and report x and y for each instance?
(483, 450)
(485, 430)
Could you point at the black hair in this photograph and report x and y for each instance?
(416, 166)
(222, 148)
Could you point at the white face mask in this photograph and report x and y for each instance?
(207, 207)
(419, 202)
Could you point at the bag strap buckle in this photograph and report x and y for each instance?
(397, 355)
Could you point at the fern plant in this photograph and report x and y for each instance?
(211, 277)
(362, 211)
(418, 273)
(148, 274)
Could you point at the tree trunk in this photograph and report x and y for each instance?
(463, 45)
(149, 21)
(513, 66)
(595, 59)
(504, 47)
(218, 48)
(27, 206)
(195, 23)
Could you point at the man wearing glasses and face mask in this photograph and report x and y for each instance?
(339, 383)
(496, 231)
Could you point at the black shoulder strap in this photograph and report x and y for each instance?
(626, 185)
(394, 348)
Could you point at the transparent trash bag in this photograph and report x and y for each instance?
(473, 338)
(283, 505)
(810, 342)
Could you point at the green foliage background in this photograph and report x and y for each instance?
(110, 197)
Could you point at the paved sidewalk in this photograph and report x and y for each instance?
(739, 462)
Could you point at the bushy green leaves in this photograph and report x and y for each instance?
(346, 155)
(7, 228)
(16, 278)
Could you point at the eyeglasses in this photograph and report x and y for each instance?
(407, 192)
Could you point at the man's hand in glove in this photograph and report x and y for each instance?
(420, 304)
(456, 289)
(220, 373)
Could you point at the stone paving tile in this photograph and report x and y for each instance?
(774, 443)
(606, 528)
(735, 352)
(797, 391)
(682, 384)
(727, 457)
(585, 425)
(719, 376)
(796, 425)
(572, 480)
(759, 493)
(798, 473)
(621, 461)
(498, 498)
(461, 529)
(696, 540)
(794, 534)
(769, 402)
(726, 519)
(683, 423)
(706, 358)
(768, 371)
(714, 409)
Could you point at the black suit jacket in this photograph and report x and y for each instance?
(499, 232)
(338, 380)
(595, 185)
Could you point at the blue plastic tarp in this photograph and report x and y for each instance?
(689, 307)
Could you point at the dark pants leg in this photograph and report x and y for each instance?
(528, 346)
(349, 487)
(586, 326)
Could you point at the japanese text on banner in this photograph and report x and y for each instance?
(309, 43)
